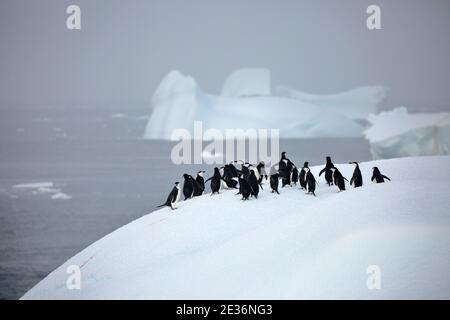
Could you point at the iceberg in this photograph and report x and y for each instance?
(355, 104)
(247, 102)
(398, 133)
(247, 82)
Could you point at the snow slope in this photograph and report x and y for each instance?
(289, 246)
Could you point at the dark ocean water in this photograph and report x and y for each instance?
(97, 157)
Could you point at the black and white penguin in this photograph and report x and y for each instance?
(215, 181)
(254, 183)
(173, 197)
(245, 170)
(310, 182)
(338, 179)
(244, 188)
(200, 183)
(356, 180)
(274, 180)
(188, 186)
(377, 176)
(234, 171)
(285, 170)
(302, 176)
(261, 171)
(294, 175)
(328, 171)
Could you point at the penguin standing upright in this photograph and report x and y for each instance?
(294, 176)
(302, 176)
(285, 169)
(200, 183)
(328, 171)
(338, 179)
(254, 183)
(188, 186)
(310, 182)
(261, 171)
(173, 197)
(356, 180)
(377, 176)
(244, 188)
(215, 181)
(274, 182)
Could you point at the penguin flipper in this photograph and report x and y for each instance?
(386, 177)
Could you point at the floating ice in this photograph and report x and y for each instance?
(61, 196)
(247, 103)
(34, 185)
(247, 82)
(398, 133)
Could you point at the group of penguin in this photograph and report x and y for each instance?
(248, 179)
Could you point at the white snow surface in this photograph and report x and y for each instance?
(287, 246)
(246, 103)
(398, 133)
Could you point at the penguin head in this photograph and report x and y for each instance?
(176, 184)
(283, 155)
(328, 159)
(305, 165)
(200, 173)
(185, 176)
(262, 163)
(376, 170)
(354, 163)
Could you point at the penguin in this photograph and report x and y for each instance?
(328, 172)
(274, 182)
(188, 186)
(294, 176)
(215, 181)
(173, 197)
(261, 171)
(338, 179)
(356, 180)
(234, 171)
(230, 182)
(310, 185)
(200, 183)
(244, 188)
(377, 176)
(245, 170)
(285, 170)
(254, 184)
(302, 176)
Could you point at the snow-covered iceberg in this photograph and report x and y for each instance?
(287, 246)
(398, 133)
(247, 102)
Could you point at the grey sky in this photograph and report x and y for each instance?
(126, 47)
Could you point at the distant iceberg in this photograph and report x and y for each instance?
(248, 101)
(398, 133)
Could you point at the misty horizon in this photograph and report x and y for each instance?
(123, 51)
